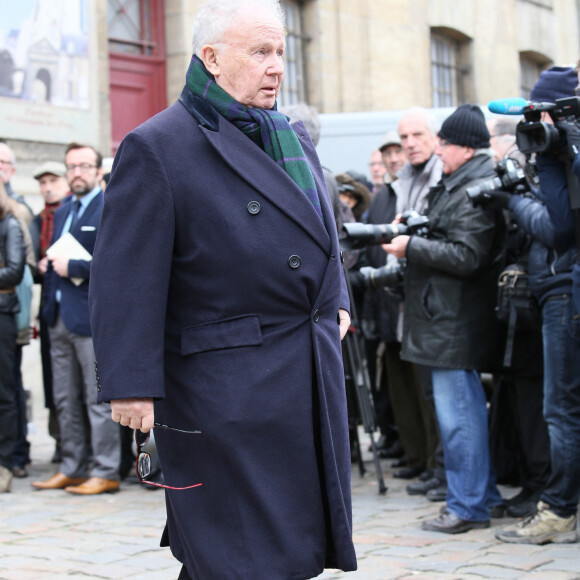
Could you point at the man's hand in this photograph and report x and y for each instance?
(43, 266)
(134, 413)
(397, 247)
(572, 131)
(60, 266)
(344, 322)
(494, 200)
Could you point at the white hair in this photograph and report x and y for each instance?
(10, 152)
(308, 115)
(215, 17)
(430, 119)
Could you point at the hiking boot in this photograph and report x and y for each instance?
(5, 479)
(541, 528)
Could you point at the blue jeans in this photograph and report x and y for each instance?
(561, 328)
(462, 415)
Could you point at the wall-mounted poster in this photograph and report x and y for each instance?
(48, 71)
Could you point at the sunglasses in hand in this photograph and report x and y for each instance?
(143, 463)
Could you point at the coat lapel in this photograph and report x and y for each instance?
(262, 173)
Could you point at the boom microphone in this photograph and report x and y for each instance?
(512, 106)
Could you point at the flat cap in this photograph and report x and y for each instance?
(52, 167)
(391, 138)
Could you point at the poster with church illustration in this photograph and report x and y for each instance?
(44, 52)
(46, 60)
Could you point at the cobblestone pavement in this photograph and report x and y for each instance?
(54, 535)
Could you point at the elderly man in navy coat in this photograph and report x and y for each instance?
(218, 305)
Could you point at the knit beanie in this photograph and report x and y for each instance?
(466, 127)
(557, 82)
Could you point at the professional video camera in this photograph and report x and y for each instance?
(357, 235)
(536, 136)
(510, 178)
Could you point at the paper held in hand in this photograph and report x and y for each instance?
(68, 246)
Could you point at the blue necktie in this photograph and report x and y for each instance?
(76, 206)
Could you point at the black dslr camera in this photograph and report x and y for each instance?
(510, 178)
(357, 235)
(535, 136)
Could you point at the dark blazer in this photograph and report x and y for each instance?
(74, 303)
(215, 289)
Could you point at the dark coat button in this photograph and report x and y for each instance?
(254, 207)
(316, 315)
(294, 262)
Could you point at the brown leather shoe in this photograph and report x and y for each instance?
(94, 486)
(57, 481)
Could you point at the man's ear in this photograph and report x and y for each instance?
(209, 57)
(469, 153)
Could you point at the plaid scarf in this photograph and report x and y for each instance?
(269, 129)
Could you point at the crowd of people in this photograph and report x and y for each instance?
(439, 321)
(216, 249)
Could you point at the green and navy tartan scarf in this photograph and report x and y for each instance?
(269, 129)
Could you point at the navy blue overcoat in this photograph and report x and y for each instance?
(215, 289)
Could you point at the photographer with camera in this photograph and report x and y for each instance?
(551, 261)
(449, 324)
(411, 390)
(560, 206)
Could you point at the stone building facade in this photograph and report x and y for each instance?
(343, 56)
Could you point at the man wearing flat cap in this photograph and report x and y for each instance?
(393, 155)
(51, 177)
(449, 324)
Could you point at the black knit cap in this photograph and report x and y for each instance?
(555, 83)
(466, 126)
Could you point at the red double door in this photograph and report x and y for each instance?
(137, 63)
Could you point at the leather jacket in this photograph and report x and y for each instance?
(12, 261)
(451, 277)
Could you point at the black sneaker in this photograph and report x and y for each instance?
(422, 487)
(525, 508)
(523, 495)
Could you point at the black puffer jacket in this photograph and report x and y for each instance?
(12, 260)
(451, 278)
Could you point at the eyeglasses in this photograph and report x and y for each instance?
(443, 143)
(84, 167)
(143, 463)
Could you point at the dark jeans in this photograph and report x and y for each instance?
(22, 447)
(561, 329)
(8, 413)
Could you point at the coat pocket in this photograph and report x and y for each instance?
(228, 333)
(441, 297)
